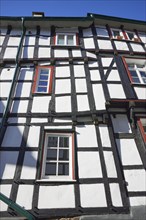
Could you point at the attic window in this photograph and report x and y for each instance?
(38, 14)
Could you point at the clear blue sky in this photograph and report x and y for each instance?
(132, 9)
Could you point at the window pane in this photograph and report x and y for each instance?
(43, 83)
(133, 73)
(64, 142)
(63, 169)
(44, 71)
(136, 79)
(60, 40)
(51, 154)
(116, 33)
(52, 141)
(130, 35)
(70, 40)
(44, 77)
(50, 169)
(42, 89)
(63, 154)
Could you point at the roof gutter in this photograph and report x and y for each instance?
(16, 207)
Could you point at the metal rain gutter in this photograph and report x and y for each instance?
(9, 100)
(16, 207)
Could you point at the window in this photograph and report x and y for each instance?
(131, 36)
(117, 34)
(43, 80)
(136, 69)
(68, 39)
(142, 126)
(58, 153)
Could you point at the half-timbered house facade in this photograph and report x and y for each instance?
(73, 117)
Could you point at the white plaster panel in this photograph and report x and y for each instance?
(116, 194)
(23, 90)
(29, 165)
(137, 47)
(61, 53)
(15, 132)
(62, 120)
(95, 75)
(92, 55)
(84, 134)
(105, 44)
(40, 104)
(106, 61)
(78, 62)
(93, 170)
(29, 40)
(4, 89)
(13, 41)
(7, 74)
(76, 53)
(45, 32)
(2, 40)
(62, 196)
(80, 85)
(17, 120)
(2, 106)
(116, 91)
(26, 74)
(110, 164)
(99, 96)
(62, 86)
(27, 52)
(66, 106)
(87, 32)
(62, 71)
(121, 45)
(121, 124)
(102, 32)
(92, 195)
(113, 76)
(62, 62)
(15, 32)
(137, 201)
(8, 161)
(104, 133)
(24, 196)
(89, 43)
(142, 37)
(10, 52)
(44, 52)
(92, 64)
(5, 189)
(140, 92)
(83, 103)
(58, 127)
(44, 40)
(33, 136)
(79, 71)
(136, 180)
(128, 152)
(39, 120)
(19, 106)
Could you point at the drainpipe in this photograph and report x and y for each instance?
(16, 207)
(12, 89)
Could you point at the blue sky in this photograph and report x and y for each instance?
(132, 9)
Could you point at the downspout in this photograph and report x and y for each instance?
(16, 207)
(12, 89)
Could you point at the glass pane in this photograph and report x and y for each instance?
(42, 89)
(116, 33)
(63, 154)
(51, 154)
(52, 141)
(144, 80)
(43, 83)
(136, 79)
(60, 40)
(133, 73)
(50, 169)
(64, 142)
(130, 35)
(63, 169)
(44, 71)
(44, 77)
(70, 40)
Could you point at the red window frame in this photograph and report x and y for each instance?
(141, 129)
(36, 77)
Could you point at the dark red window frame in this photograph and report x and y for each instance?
(141, 129)
(37, 75)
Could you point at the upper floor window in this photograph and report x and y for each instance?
(117, 34)
(142, 126)
(136, 69)
(43, 80)
(66, 39)
(58, 156)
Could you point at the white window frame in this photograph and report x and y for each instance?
(65, 39)
(38, 80)
(137, 70)
(56, 177)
